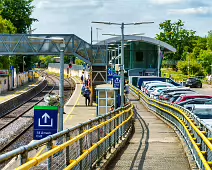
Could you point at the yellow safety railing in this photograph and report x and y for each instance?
(87, 152)
(186, 123)
(57, 149)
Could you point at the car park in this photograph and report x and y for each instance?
(193, 82)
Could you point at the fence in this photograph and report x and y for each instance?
(81, 147)
(197, 135)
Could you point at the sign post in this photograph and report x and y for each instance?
(45, 121)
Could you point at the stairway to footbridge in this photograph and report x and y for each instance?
(145, 134)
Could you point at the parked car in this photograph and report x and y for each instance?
(185, 97)
(196, 101)
(204, 112)
(154, 78)
(193, 82)
(145, 83)
(168, 96)
(151, 86)
(161, 96)
(156, 92)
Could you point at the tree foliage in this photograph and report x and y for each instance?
(19, 13)
(6, 26)
(176, 35)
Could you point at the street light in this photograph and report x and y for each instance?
(60, 41)
(23, 63)
(122, 51)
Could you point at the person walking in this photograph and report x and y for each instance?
(87, 93)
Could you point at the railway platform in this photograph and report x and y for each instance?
(19, 90)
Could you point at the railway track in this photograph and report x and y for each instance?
(25, 114)
(16, 116)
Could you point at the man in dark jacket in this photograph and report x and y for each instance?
(87, 93)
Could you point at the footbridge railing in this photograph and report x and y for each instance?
(197, 135)
(81, 147)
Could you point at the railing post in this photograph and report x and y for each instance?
(105, 143)
(117, 123)
(24, 157)
(91, 143)
(67, 150)
(109, 132)
(115, 134)
(49, 162)
(120, 121)
(98, 149)
(81, 145)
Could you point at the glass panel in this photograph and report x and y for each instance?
(102, 94)
(110, 102)
(102, 110)
(110, 94)
(102, 102)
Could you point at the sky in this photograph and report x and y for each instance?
(75, 16)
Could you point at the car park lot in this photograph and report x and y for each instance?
(197, 100)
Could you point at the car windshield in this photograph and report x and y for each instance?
(203, 113)
(178, 99)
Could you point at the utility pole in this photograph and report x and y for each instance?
(122, 51)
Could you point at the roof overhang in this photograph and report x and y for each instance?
(133, 38)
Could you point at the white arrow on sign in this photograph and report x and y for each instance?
(45, 116)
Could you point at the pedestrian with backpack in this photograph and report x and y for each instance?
(87, 93)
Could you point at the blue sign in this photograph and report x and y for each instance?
(109, 78)
(11, 67)
(116, 81)
(110, 72)
(45, 121)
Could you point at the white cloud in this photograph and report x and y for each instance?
(68, 4)
(191, 11)
(165, 2)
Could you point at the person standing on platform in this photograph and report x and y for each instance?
(87, 93)
(126, 91)
(82, 78)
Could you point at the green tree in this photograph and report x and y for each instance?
(6, 26)
(79, 62)
(209, 40)
(205, 58)
(46, 60)
(176, 35)
(191, 66)
(19, 13)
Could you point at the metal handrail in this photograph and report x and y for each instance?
(199, 142)
(87, 152)
(37, 160)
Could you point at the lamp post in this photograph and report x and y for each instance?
(122, 52)
(61, 42)
(23, 62)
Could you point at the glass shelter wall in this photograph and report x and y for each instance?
(141, 55)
